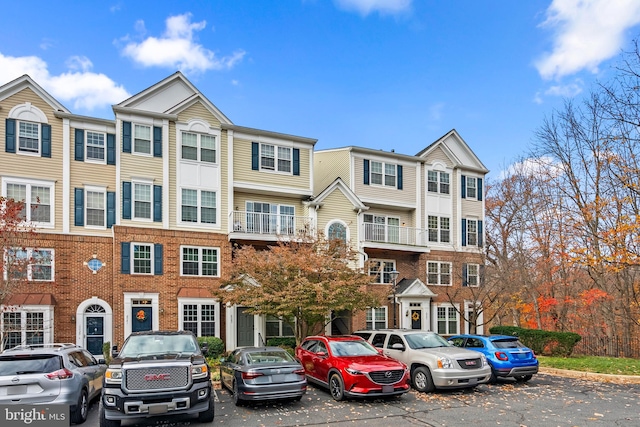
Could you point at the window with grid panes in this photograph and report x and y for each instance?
(199, 319)
(267, 157)
(189, 146)
(208, 207)
(199, 261)
(389, 175)
(142, 201)
(189, 205)
(472, 232)
(36, 199)
(208, 148)
(29, 264)
(12, 329)
(142, 139)
(284, 159)
(95, 208)
(28, 137)
(95, 146)
(438, 273)
(277, 327)
(377, 318)
(473, 274)
(380, 270)
(34, 332)
(447, 320)
(142, 257)
(376, 173)
(471, 188)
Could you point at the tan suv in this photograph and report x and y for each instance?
(432, 360)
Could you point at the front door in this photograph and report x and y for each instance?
(141, 318)
(245, 327)
(416, 319)
(95, 334)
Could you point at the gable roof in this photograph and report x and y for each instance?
(457, 150)
(169, 96)
(339, 185)
(414, 287)
(25, 81)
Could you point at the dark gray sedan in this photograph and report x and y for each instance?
(262, 373)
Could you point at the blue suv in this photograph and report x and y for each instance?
(507, 356)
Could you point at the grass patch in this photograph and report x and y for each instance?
(601, 365)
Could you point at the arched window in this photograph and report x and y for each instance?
(337, 230)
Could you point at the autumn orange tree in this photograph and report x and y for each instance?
(300, 282)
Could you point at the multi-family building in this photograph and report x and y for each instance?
(137, 217)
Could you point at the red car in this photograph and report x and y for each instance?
(350, 366)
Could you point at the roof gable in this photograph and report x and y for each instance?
(457, 150)
(339, 185)
(25, 82)
(414, 288)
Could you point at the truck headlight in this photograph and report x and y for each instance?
(113, 376)
(199, 371)
(445, 363)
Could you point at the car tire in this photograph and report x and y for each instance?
(493, 378)
(523, 378)
(236, 394)
(422, 380)
(207, 416)
(336, 387)
(79, 415)
(104, 422)
(222, 384)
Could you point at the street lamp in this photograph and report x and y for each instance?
(394, 276)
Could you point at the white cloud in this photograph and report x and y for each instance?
(176, 48)
(565, 90)
(365, 7)
(587, 32)
(79, 86)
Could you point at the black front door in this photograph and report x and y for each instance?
(141, 318)
(416, 319)
(95, 334)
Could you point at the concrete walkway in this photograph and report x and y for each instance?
(592, 376)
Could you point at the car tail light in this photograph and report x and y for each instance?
(501, 355)
(251, 375)
(60, 374)
(533, 353)
(299, 372)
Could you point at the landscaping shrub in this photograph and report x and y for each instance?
(215, 346)
(549, 343)
(287, 343)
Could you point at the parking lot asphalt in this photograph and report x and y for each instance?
(547, 400)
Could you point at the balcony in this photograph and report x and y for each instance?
(394, 237)
(272, 227)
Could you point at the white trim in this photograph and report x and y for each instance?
(199, 301)
(338, 221)
(128, 305)
(95, 189)
(38, 183)
(27, 112)
(66, 176)
(47, 321)
(80, 320)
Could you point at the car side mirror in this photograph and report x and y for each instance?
(114, 351)
(397, 346)
(101, 361)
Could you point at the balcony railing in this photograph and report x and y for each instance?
(381, 233)
(267, 224)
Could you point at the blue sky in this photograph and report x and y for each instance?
(384, 74)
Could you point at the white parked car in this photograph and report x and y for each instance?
(432, 360)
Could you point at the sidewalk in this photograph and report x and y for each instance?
(592, 376)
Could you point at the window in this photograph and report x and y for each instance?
(438, 273)
(25, 327)
(95, 146)
(471, 188)
(34, 265)
(438, 182)
(447, 320)
(141, 201)
(37, 199)
(383, 174)
(142, 258)
(471, 275)
(439, 229)
(472, 232)
(265, 218)
(377, 318)
(195, 143)
(142, 139)
(381, 228)
(199, 261)
(199, 318)
(277, 327)
(199, 206)
(337, 230)
(28, 137)
(275, 158)
(379, 270)
(96, 213)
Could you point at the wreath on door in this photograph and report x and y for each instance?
(141, 315)
(415, 316)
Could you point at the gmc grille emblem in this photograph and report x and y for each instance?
(470, 363)
(156, 377)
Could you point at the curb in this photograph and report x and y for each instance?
(592, 376)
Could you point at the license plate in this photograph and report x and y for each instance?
(387, 389)
(277, 378)
(158, 409)
(16, 389)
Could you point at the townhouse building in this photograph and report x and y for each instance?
(137, 217)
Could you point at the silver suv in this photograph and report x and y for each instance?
(433, 361)
(63, 374)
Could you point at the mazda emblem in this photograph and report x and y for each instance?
(388, 374)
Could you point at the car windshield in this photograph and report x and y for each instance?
(16, 365)
(141, 345)
(352, 348)
(256, 357)
(508, 343)
(422, 340)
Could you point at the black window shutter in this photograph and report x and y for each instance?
(157, 203)
(157, 141)
(480, 189)
(296, 161)
(111, 149)
(10, 136)
(79, 145)
(125, 258)
(464, 232)
(255, 156)
(482, 274)
(463, 186)
(78, 207)
(157, 259)
(46, 140)
(465, 275)
(111, 208)
(126, 200)
(365, 172)
(480, 233)
(399, 177)
(126, 137)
